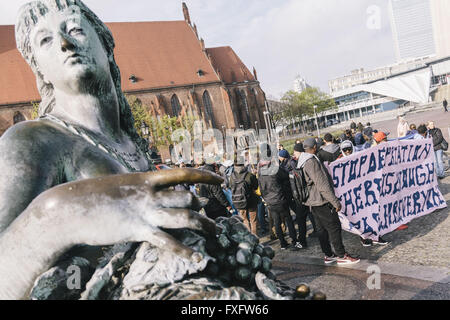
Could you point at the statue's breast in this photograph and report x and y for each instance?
(88, 161)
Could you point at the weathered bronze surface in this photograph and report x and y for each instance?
(78, 175)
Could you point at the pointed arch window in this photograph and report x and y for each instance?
(209, 108)
(243, 108)
(18, 117)
(176, 107)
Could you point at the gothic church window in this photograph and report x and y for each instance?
(208, 108)
(18, 117)
(176, 107)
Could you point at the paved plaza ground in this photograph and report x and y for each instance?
(415, 265)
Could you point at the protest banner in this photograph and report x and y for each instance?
(386, 186)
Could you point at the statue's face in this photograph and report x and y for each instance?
(67, 49)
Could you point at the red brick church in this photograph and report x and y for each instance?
(163, 63)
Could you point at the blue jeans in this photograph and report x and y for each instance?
(228, 195)
(439, 163)
(261, 215)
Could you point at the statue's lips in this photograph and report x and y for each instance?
(74, 58)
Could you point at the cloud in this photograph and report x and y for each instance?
(318, 40)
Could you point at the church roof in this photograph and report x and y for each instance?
(228, 65)
(17, 81)
(159, 54)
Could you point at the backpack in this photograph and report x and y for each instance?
(299, 186)
(444, 145)
(240, 192)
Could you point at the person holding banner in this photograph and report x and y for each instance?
(421, 132)
(347, 150)
(380, 137)
(324, 204)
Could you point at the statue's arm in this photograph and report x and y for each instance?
(101, 211)
(27, 168)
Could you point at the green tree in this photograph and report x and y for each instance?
(35, 111)
(299, 105)
(140, 114)
(159, 129)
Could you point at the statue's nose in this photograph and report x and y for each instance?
(66, 44)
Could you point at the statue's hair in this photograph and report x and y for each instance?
(28, 17)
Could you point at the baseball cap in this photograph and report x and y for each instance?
(379, 136)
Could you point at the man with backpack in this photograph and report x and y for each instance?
(243, 185)
(325, 205)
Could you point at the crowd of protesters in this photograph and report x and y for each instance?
(264, 194)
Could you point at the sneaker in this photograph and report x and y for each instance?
(366, 242)
(284, 247)
(331, 259)
(380, 241)
(347, 259)
(402, 227)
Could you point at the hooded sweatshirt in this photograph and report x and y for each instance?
(318, 180)
(360, 143)
(346, 144)
(329, 153)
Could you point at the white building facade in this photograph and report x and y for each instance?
(412, 28)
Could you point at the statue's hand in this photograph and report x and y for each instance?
(127, 208)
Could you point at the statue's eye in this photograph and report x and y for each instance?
(45, 40)
(75, 31)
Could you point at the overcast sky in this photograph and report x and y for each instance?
(316, 39)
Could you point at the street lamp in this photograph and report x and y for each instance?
(144, 131)
(317, 123)
(267, 122)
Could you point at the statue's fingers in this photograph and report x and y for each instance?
(174, 199)
(178, 199)
(165, 241)
(167, 178)
(171, 218)
(119, 185)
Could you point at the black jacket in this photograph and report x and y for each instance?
(437, 136)
(287, 166)
(237, 175)
(270, 180)
(217, 203)
(329, 153)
